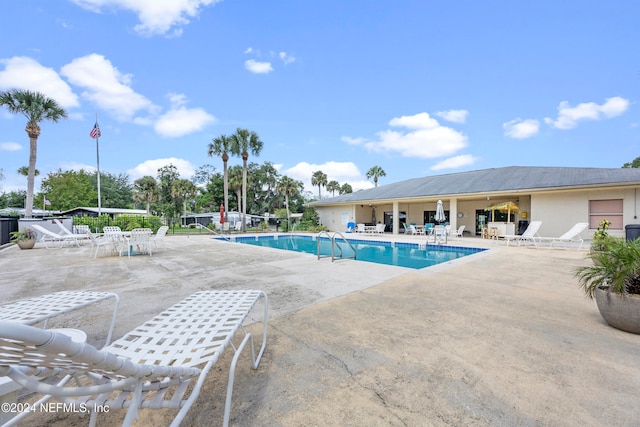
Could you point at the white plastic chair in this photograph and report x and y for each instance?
(162, 232)
(140, 239)
(459, 232)
(571, 237)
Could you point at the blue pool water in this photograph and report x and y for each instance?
(410, 255)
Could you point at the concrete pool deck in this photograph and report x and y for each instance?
(504, 337)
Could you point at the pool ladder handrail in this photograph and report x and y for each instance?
(334, 244)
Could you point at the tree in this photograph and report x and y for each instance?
(24, 171)
(166, 176)
(221, 146)
(333, 186)
(633, 164)
(115, 191)
(288, 187)
(346, 188)
(68, 189)
(319, 178)
(375, 172)
(184, 190)
(235, 182)
(36, 107)
(145, 190)
(245, 141)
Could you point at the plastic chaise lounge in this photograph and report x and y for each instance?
(528, 236)
(49, 237)
(161, 364)
(571, 237)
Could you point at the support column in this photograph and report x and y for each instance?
(396, 218)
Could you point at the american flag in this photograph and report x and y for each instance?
(95, 132)
(47, 202)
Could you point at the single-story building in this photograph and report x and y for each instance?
(558, 196)
(93, 212)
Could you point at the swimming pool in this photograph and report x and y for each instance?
(402, 254)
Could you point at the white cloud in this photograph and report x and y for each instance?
(179, 120)
(568, 117)
(150, 168)
(75, 166)
(455, 162)
(455, 116)
(107, 87)
(258, 67)
(520, 129)
(286, 58)
(156, 16)
(21, 72)
(426, 138)
(338, 171)
(10, 146)
(248, 50)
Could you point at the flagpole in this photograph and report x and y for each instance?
(98, 167)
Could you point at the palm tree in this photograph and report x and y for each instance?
(235, 182)
(24, 170)
(145, 189)
(333, 186)
(184, 189)
(288, 187)
(245, 141)
(221, 146)
(376, 172)
(36, 107)
(320, 179)
(346, 188)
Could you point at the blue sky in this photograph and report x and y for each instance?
(417, 87)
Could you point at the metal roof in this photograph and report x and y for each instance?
(506, 179)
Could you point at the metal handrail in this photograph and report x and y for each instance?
(334, 244)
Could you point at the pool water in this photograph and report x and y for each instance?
(410, 255)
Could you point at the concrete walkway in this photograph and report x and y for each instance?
(502, 338)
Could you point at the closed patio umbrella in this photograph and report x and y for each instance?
(221, 214)
(440, 212)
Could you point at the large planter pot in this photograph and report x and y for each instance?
(620, 312)
(26, 244)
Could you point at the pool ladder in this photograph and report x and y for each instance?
(335, 245)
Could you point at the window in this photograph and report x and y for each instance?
(609, 209)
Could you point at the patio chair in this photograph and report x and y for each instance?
(160, 365)
(415, 231)
(162, 231)
(49, 237)
(360, 228)
(380, 228)
(139, 239)
(114, 237)
(459, 232)
(528, 236)
(569, 238)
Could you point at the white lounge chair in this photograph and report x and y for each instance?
(571, 237)
(528, 236)
(36, 310)
(49, 237)
(154, 366)
(162, 232)
(380, 228)
(360, 228)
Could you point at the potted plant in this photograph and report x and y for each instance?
(25, 239)
(614, 281)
